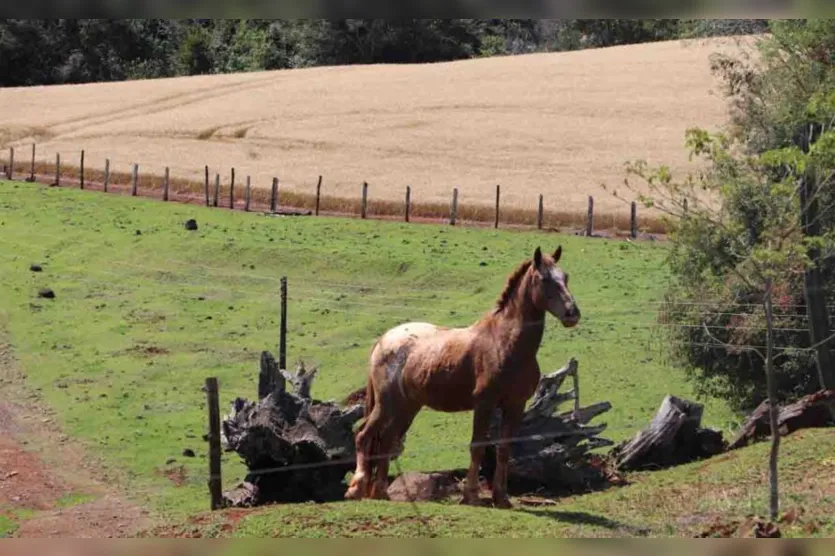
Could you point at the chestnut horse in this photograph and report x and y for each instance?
(491, 363)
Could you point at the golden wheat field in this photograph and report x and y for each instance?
(558, 124)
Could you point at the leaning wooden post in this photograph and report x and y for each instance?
(11, 162)
(454, 210)
(633, 220)
(57, 169)
(247, 193)
(539, 214)
(282, 331)
(217, 189)
(106, 173)
(408, 201)
(364, 205)
(274, 196)
(32, 171)
(318, 194)
(165, 185)
(232, 191)
(215, 483)
(135, 186)
(496, 224)
(206, 183)
(81, 175)
(590, 217)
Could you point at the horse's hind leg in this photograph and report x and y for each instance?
(364, 448)
(391, 446)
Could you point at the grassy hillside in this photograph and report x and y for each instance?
(145, 310)
(558, 124)
(718, 497)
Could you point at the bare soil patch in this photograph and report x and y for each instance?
(41, 469)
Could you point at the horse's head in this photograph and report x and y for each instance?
(551, 291)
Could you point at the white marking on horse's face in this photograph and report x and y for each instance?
(558, 298)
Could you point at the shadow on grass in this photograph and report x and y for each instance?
(583, 518)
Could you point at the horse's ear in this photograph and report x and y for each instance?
(537, 257)
(557, 254)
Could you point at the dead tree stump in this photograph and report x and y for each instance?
(295, 448)
(814, 410)
(674, 436)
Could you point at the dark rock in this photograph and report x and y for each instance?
(139, 232)
(36, 268)
(169, 461)
(188, 452)
(191, 224)
(47, 293)
(482, 263)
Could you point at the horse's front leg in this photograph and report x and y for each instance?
(511, 417)
(481, 426)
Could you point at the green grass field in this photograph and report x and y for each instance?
(145, 311)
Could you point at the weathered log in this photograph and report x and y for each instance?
(550, 450)
(814, 410)
(674, 436)
(295, 448)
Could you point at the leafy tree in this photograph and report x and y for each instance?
(195, 54)
(753, 233)
(750, 246)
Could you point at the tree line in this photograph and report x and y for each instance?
(56, 51)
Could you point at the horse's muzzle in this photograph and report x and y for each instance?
(571, 318)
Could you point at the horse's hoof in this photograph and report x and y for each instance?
(379, 493)
(353, 493)
(470, 500)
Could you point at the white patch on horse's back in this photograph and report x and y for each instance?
(393, 338)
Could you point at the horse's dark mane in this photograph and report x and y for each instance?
(511, 285)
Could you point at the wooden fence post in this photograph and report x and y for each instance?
(590, 217)
(496, 224)
(57, 169)
(633, 220)
(247, 194)
(408, 201)
(539, 214)
(106, 173)
(274, 196)
(217, 189)
(135, 187)
(32, 171)
(81, 177)
(11, 162)
(215, 482)
(206, 183)
(282, 331)
(454, 210)
(165, 185)
(364, 205)
(232, 191)
(318, 194)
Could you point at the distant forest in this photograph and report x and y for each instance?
(53, 51)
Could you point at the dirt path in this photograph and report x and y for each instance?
(48, 486)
